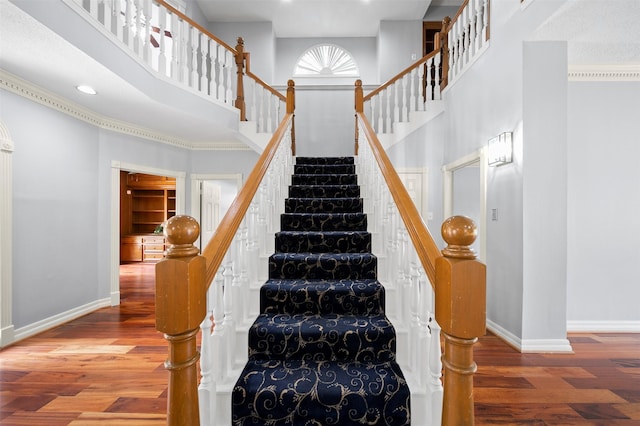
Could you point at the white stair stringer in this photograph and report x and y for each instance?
(402, 130)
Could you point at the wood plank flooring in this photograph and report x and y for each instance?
(107, 368)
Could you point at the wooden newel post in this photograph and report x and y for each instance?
(240, 58)
(291, 109)
(359, 106)
(461, 313)
(180, 308)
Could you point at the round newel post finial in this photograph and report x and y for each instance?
(459, 232)
(181, 232)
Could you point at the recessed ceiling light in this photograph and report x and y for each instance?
(86, 89)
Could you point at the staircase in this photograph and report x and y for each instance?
(322, 350)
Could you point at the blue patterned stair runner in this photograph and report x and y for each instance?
(322, 351)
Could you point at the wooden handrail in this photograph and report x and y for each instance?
(217, 247)
(424, 244)
(402, 74)
(274, 92)
(457, 278)
(195, 25)
(457, 15)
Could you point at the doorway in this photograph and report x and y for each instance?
(116, 168)
(211, 196)
(465, 193)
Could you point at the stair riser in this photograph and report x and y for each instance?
(336, 393)
(329, 337)
(323, 222)
(321, 242)
(325, 169)
(323, 205)
(318, 179)
(324, 160)
(329, 191)
(366, 297)
(327, 266)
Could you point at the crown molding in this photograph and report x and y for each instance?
(37, 94)
(598, 72)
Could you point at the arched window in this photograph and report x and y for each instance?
(326, 60)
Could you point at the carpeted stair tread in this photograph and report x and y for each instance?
(334, 266)
(358, 297)
(322, 350)
(325, 160)
(323, 242)
(330, 337)
(323, 222)
(325, 191)
(324, 179)
(332, 169)
(323, 205)
(305, 392)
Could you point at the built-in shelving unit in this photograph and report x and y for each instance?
(147, 201)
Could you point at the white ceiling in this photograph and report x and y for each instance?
(316, 18)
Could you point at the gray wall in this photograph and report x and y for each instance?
(55, 210)
(603, 203)
(397, 42)
(573, 181)
(62, 204)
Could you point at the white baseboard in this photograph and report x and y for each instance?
(56, 320)
(529, 345)
(7, 336)
(603, 326)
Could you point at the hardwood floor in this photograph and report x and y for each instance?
(107, 368)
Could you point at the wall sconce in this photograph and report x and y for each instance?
(500, 149)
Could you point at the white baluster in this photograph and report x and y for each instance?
(229, 93)
(147, 31)
(204, 64)
(405, 97)
(107, 8)
(380, 113)
(207, 386)
(435, 370)
(138, 37)
(128, 23)
(466, 21)
(117, 17)
(270, 116)
(388, 111)
(193, 81)
(372, 114)
(184, 52)
(260, 108)
(220, 58)
(485, 21)
(254, 95)
(396, 105)
(219, 360)
(175, 47)
(93, 9)
(229, 322)
(412, 87)
(422, 91)
(473, 29)
(162, 28)
(437, 60)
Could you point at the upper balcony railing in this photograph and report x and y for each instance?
(404, 97)
(180, 50)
